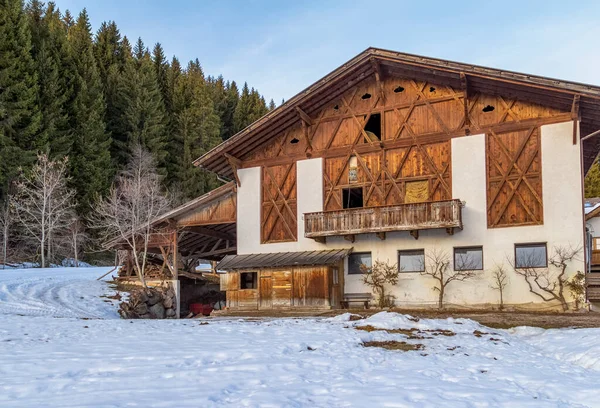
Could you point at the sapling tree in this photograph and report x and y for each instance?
(547, 282)
(134, 201)
(377, 277)
(437, 266)
(43, 203)
(576, 286)
(500, 282)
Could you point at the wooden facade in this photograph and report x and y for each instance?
(391, 139)
(310, 287)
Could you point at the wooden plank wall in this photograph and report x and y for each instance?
(514, 178)
(218, 212)
(418, 119)
(279, 208)
(308, 287)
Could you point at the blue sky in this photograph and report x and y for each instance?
(281, 47)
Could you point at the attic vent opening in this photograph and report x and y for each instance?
(336, 107)
(294, 141)
(488, 108)
(366, 96)
(431, 89)
(373, 127)
(398, 89)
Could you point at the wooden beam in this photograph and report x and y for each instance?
(350, 237)
(304, 116)
(211, 233)
(224, 251)
(175, 259)
(381, 235)
(450, 231)
(414, 234)
(307, 138)
(235, 164)
(465, 88)
(575, 115)
(378, 78)
(320, 240)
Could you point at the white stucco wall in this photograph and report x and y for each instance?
(309, 189)
(563, 221)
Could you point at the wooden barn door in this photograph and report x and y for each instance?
(514, 178)
(266, 290)
(282, 289)
(233, 285)
(279, 209)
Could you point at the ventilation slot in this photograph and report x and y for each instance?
(488, 108)
(366, 96)
(294, 141)
(399, 89)
(431, 89)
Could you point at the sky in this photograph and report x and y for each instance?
(282, 47)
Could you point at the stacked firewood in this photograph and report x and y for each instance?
(149, 303)
(152, 271)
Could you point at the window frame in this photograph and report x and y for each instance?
(255, 280)
(480, 247)
(401, 251)
(359, 253)
(530, 245)
(349, 193)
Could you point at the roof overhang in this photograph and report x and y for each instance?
(546, 91)
(283, 259)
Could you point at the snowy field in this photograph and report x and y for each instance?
(63, 345)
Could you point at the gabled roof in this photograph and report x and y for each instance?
(546, 91)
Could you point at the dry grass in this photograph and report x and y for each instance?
(412, 333)
(394, 345)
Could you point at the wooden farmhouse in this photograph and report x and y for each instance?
(394, 157)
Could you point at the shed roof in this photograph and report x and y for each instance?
(546, 91)
(274, 260)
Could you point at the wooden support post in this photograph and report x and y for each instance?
(381, 235)
(235, 164)
(304, 116)
(465, 88)
(350, 237)
(175, 252)
(307, 138)
(414, 234)
(575, 116)
(378, 78)
(450, 231)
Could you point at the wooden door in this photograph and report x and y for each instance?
(335, 296)
(266, 290)
(233, 285)
(282, 289)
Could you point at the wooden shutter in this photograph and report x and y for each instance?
(279, 204)
(514, 178)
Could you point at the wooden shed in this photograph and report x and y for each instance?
(287, 280)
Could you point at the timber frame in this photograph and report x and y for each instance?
(573, 100)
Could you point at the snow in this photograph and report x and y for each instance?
(62, 345)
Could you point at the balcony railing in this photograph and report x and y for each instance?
(595, 257)
(405, 217)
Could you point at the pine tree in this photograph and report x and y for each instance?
(592, 181)
(108, 50)
(51, 60)
(227, 117)
(19, 113)
(161, 67)
(196, 131)
(272, 105)
(90, 158)
(242, 110)
(144, 109)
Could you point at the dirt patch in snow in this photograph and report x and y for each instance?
(394, 345)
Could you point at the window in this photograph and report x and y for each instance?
(248, 280)
(411, 261)
(468, 258)
(531, 255)
(356, 259)
(352, 197)
(373, 127)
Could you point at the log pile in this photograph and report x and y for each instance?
(149, 303)
(152, 271)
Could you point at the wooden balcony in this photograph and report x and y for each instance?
(595, 257)
(405, 217)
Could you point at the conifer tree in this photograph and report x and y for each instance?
(90, 158)
(592, 181)
(108, 50)
(272, 105)
(51, 59)
(144, 109)
(19, 113)
(196, 131)
(161, 67)
(242, 110)
(227, 117)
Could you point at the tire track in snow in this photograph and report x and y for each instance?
(60, 292)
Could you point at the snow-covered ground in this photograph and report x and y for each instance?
(63, 345)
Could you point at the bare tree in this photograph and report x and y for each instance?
(134, 201)
(377, 277)
(6, 218)
(75, 238)
(43, 203)
(437, 265)
(548, 283)
(500, 282)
